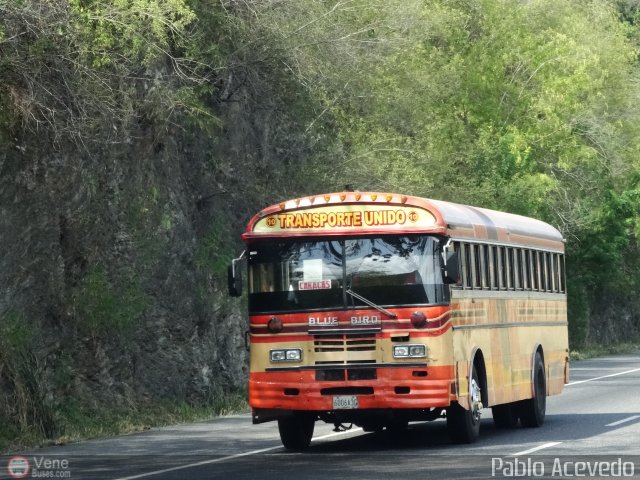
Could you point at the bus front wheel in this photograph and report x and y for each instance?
(296, 431)
(464, 425)
(532, 411)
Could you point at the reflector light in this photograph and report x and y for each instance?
(342, 197)
(418, 319)
(373, 197)
(275, 325)
(358, 196)
(389, 197)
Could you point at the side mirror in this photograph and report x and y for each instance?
(234, 278)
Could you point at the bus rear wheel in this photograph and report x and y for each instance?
(296, 431)
(464, 425)
(532, 411)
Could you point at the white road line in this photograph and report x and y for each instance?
(230, 457)
(535, 449)
(625, 420)
(590, 369)
(604, 376)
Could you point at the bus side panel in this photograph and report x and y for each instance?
(548, 331)
(507, 331)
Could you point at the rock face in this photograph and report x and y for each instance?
(113, 273)
(126, 178)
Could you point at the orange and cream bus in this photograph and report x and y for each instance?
(380, 309)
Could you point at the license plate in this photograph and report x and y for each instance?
(345, 402)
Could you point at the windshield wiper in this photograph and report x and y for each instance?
(370, 303)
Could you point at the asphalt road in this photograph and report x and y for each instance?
(591, 430)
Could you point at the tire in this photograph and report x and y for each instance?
(532, 411)
(464, 425)
(506, 416)
(373, 427)
(296, 431)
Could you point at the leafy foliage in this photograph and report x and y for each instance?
(521, 106)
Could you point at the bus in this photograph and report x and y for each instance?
(380, 309)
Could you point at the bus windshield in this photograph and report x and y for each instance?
(305, 275)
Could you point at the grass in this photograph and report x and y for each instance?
(78, 422)
(593, 351)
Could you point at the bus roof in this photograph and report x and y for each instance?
(365, 213)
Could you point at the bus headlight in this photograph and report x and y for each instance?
(409, 351)
(286, 355)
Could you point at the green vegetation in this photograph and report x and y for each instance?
(601, 351)
(101, 308)
(79, 422)
(215, 249)
(520, 106)
(138, 136)
(25, 406)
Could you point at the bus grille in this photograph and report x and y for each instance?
(352, 364)
(344, 343)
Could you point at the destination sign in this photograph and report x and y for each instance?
(347, 217)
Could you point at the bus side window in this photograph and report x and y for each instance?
(467, 272)
(536, 270)
(508, 268)
(518, 268)
(476, 266)
(547, 271)
(526, 264)
(551, 281)
(503, 268)
(526, 279)
(486, 280)
(515, 265)
(495, 272)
